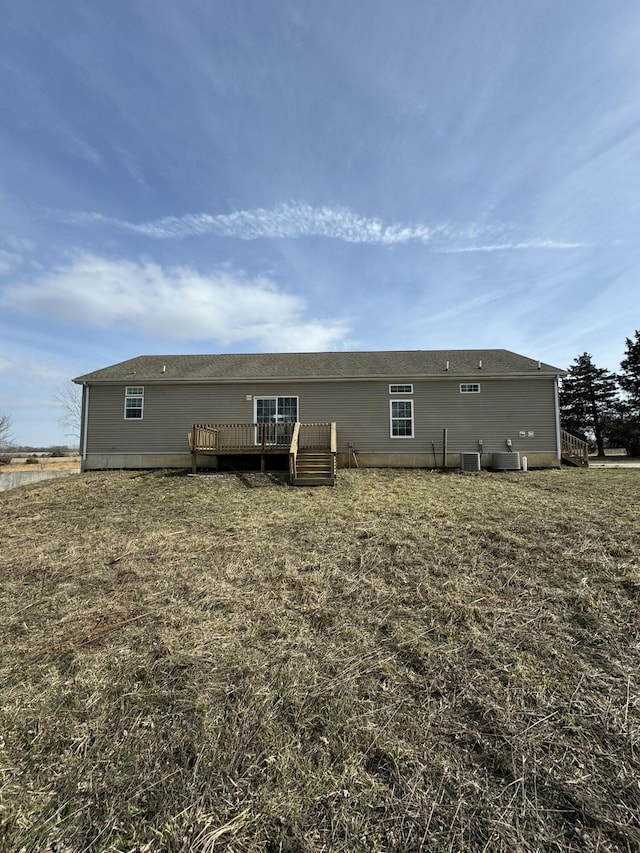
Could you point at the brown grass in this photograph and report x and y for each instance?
(411, 661)
(43, 463)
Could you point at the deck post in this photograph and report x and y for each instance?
(193, 462)
(262, 463)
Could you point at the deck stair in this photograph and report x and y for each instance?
(314, 468)
(313, 454)
(575, 451)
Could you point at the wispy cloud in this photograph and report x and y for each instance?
(79, 147)
(9, 261)
(21, 402)
(12, 252)
(32, 370)
(469, 305)
(176, 303)
(503, 247)
(294, 220)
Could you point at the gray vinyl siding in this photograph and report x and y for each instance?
(503, 409)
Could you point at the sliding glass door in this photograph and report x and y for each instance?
(278, 413)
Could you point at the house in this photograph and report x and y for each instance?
(389, 409)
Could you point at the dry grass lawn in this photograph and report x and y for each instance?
(44, 463)
(410, 661)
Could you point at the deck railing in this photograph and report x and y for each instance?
(245, 437)
(203, 437)
(315, 436)
(574, 449)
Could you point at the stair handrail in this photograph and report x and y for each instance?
(293, 451)
(574, 447)
(334, 449)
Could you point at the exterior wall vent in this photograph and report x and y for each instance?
(505, 461)
(470, 461)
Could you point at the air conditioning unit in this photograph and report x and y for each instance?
(470, 461)
(505, 461)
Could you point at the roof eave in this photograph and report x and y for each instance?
(85, 380)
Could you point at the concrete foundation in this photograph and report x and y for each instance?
(117, 461)
(426, 460)
(13, 479)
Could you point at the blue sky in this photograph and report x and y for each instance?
(271, 175)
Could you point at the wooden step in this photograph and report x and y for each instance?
(575, 461)
(308, 478)
(314, 468)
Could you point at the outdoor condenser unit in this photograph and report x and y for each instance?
(505, 461)
(470, 461)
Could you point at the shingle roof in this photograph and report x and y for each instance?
(322, 365)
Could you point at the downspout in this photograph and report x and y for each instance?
(85, 420)
(557, 407)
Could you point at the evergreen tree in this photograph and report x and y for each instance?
(629, 377)
(622, 427)
(587, 399)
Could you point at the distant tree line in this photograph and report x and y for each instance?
(9, 449)
(603, 407)
(69, 399)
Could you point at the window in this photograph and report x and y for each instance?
(401, 389)
(469, 388)
(401, 418)
(133, 402)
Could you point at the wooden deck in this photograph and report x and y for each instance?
(312, 448)
(240, 438)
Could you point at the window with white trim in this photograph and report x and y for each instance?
(469, 388)
(133, 402)
(401, 389)
(401, 416)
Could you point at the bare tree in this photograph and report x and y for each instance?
(6, 434)
(69, 398)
